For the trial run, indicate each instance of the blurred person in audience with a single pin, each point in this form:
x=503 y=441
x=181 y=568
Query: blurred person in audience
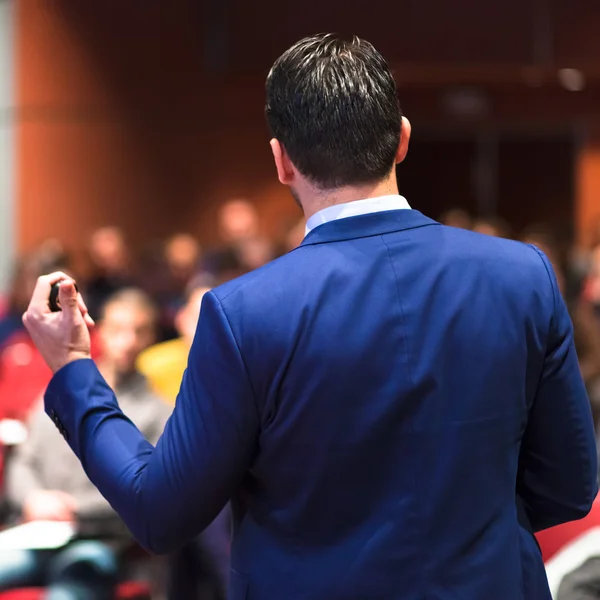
x=46 y=483
x=242 y=247
x=200 y=569
x=182 y=254
x=23 y=373
x=52 y=254
x=238 y=221
x=164 y=364
x=583 y=583
x=22 y=284
x=493 y=226
x=457 y=217
x=182 y=257
x=255 y=253
x=111 y=268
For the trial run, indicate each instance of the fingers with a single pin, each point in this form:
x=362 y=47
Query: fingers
x=69 y=300
x=39 y=301
x=84 y=311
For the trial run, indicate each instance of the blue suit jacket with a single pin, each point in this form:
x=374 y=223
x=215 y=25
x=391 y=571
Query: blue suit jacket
x=394 y=407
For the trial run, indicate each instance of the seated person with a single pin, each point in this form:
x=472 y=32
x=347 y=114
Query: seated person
x=46 y=481
x=200 y=569
x=164 y=363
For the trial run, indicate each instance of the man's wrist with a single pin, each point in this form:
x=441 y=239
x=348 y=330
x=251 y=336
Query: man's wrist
x=72 y=357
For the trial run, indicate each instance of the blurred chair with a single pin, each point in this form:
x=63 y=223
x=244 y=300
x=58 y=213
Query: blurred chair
x=568 y=546
x=130 y=590
x=555 y=539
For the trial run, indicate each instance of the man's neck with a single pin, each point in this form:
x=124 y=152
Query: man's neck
x=318 y=200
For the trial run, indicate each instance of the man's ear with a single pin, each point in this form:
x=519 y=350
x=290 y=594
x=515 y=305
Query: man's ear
x=283 y=164
x=404 y=140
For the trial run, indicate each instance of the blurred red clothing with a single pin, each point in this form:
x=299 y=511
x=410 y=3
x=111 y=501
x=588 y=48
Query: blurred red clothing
x=24 y=376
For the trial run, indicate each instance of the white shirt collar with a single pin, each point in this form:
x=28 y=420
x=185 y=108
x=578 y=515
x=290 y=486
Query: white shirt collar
x=355 y=209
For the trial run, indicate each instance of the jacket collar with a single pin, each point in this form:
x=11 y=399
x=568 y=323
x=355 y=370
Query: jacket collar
x=366 y=226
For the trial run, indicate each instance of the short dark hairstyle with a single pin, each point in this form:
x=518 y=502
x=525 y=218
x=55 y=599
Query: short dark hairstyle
x=333 y=105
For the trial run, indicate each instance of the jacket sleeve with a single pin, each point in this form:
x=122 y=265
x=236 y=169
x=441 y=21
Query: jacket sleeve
x=168 y=494
x=558 y=462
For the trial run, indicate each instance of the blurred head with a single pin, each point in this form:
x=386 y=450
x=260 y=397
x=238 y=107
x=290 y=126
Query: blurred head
x=238 y=220
x=26 y=272
x=333 y=112
x=182 y=253
x=24 y=278
x=127 y=326
x=493 y=226
x=255 y=252
x=187 y=318
x=457 y=217
x=52 y=256
x=108 y=249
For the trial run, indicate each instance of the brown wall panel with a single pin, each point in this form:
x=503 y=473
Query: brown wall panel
x=120 y=119
x=413 y=31
x=576 y=24
x=122 y=127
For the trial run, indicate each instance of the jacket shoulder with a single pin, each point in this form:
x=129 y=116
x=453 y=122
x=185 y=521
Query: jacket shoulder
x=502 y=253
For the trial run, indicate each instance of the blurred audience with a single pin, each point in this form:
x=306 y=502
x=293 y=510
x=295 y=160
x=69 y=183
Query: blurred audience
x=23 y=373
x=178 y=263
x=52 y=485
x=237 y=221
x=164 y=364
x=457 y=217
x=23 y=281
x=200 y=570
x=182 y=254
x=494 y=226
x=111 y=268
x=242 y=248
x=45 y=481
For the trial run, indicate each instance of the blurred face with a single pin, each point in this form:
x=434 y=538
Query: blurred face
x=23 y=284
x=187 y=319
x=256 y=252
x=486 y=229
x=458 y=218
x=182 y=252
x=237 y=221
x=125 y=331
x=107 y=249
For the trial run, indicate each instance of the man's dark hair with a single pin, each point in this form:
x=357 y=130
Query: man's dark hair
x=333 y=105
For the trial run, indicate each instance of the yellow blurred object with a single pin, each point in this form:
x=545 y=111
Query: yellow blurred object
x=163 y=365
